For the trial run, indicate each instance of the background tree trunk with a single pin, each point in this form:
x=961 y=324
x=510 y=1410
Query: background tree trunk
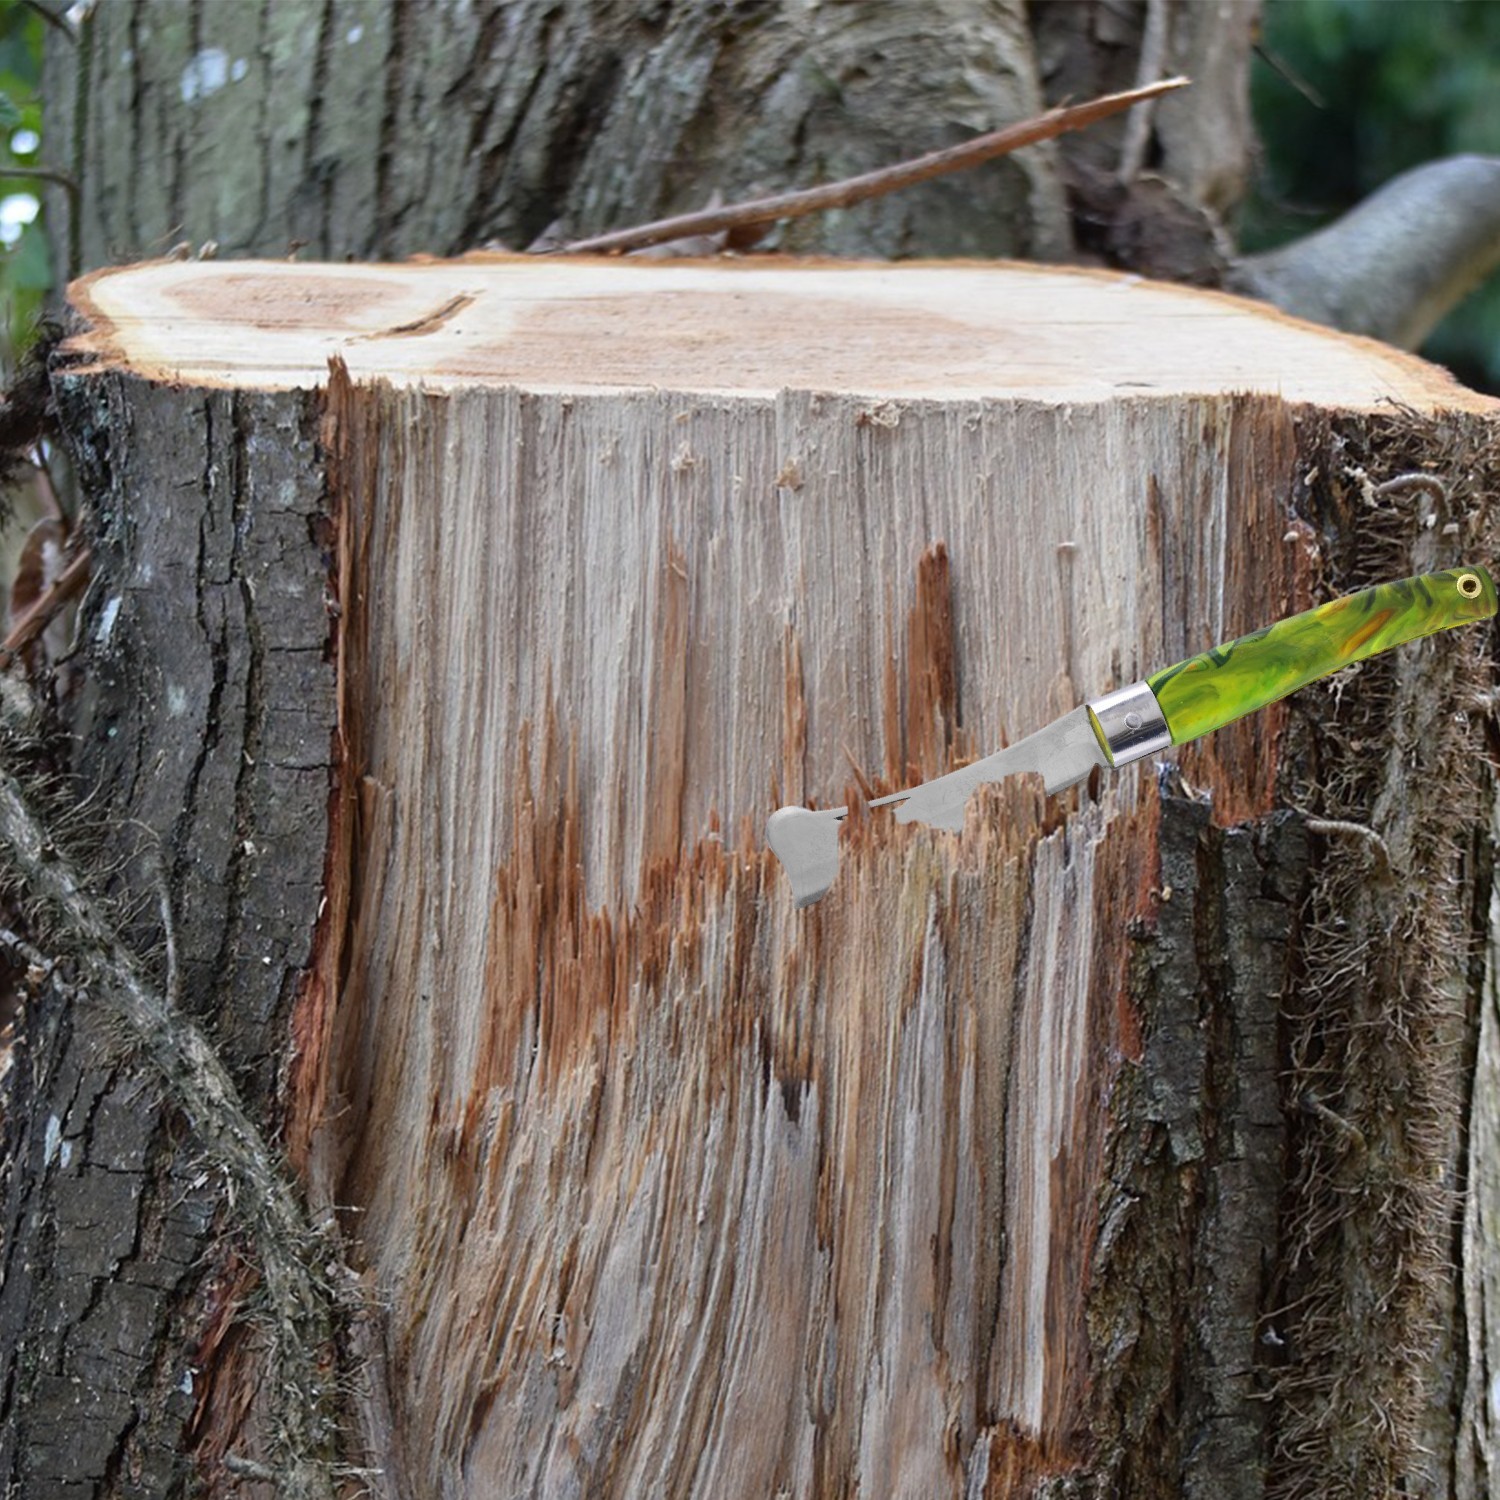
x=376 y=129
x=1111 y=1148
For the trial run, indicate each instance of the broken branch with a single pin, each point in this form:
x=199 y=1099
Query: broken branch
x=44 y=610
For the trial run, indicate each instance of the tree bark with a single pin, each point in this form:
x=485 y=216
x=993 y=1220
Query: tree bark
x=1113 y=1147
x=207 y=696
x=376 y=129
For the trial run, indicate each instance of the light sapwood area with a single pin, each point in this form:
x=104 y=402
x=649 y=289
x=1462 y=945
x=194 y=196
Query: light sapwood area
x=956 y=1184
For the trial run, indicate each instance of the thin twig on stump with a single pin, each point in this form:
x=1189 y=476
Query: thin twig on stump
x=851 y=190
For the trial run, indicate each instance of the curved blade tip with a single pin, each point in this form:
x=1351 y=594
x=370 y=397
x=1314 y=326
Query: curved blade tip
x=807 y=844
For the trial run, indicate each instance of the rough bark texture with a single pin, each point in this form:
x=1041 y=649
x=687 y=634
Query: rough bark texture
x=1476 y=1467
x=204 y=734
x=375 y=129
x=1332 y=1148
x=1381 y=1031
x=1191 y=1234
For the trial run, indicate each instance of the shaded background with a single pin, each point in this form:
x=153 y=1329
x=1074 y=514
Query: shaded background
x=1346 y=94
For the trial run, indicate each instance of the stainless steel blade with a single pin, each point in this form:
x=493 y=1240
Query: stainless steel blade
x=807 y=844
x=1063 y=752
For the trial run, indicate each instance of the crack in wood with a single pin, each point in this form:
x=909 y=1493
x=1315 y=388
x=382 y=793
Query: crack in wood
x=427 y=323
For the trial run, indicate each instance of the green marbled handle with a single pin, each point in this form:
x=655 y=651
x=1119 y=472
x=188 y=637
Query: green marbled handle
x=1206 y=692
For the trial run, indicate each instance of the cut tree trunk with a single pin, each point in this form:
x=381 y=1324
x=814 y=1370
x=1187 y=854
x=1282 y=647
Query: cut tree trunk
x=454 y=629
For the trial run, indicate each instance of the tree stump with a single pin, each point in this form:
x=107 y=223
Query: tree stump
x=454 y=628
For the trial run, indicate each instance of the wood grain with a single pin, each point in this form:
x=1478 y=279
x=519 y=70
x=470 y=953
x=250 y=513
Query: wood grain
x=637 y=1149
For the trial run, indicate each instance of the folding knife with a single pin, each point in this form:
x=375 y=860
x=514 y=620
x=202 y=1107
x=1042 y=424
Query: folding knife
x=1171 y=707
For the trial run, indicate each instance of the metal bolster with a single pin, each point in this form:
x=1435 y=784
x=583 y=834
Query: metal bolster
x=1130 y=724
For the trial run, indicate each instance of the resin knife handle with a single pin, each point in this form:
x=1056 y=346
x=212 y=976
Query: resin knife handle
x=1206 y=692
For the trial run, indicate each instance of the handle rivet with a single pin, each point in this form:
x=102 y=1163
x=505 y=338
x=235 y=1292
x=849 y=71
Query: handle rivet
x=1469 y=585
x=1132 y=721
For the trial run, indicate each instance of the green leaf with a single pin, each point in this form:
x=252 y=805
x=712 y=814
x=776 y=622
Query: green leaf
x=21 y=31
x=29 y=267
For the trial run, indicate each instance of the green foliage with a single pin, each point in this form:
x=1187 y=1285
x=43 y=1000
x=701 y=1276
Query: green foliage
x=1352 y=92
x=25 y=265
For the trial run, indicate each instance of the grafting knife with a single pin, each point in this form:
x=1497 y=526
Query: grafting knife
x=1171 y=707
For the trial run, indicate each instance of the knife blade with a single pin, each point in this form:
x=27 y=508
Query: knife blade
x=1171 y=707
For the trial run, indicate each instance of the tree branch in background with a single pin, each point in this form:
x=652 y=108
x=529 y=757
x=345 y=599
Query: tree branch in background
x=851 y=190
x=42 y=611
x=55 y=19
x=1138 y=126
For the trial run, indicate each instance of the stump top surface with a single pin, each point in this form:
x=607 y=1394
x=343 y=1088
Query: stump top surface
x=914 y=330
